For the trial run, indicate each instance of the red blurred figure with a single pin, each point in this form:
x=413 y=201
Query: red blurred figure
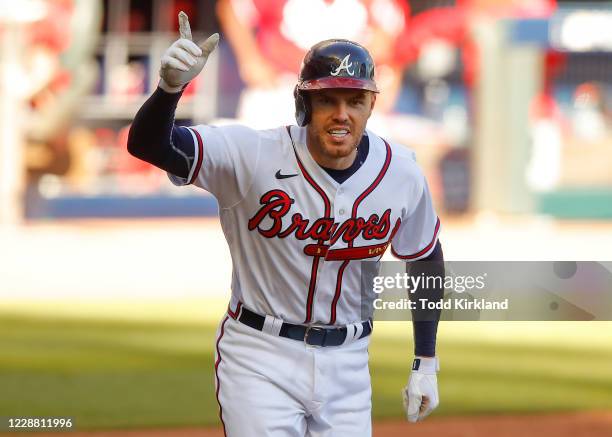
x=270 y=37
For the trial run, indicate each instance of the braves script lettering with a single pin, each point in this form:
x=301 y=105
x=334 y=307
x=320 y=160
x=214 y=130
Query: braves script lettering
x=276 y=205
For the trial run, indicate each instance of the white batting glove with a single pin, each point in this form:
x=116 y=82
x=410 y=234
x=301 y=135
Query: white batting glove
x=421 y=394
x=184 y=59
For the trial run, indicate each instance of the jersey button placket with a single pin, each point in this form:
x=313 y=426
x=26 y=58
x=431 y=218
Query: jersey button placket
x=340 y=199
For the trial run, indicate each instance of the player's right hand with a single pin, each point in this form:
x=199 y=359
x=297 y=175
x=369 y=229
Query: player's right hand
x=184 y=59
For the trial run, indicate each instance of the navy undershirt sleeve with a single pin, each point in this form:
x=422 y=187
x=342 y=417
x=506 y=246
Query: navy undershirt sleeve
x=154 y=138
x=425 y=324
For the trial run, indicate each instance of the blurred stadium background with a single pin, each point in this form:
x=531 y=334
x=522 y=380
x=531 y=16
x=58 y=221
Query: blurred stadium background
x=112 y=280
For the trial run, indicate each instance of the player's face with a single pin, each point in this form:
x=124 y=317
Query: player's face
x=339 y=117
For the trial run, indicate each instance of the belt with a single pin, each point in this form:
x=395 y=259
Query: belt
x=311 y=335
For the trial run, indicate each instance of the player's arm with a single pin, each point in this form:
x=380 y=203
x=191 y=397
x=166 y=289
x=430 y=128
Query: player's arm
x=153 y=136
x=421 y=393
x=417 y=241
x=425 y=321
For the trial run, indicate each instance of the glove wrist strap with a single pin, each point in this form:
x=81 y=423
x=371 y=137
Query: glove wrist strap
x=426 y=365
x=169 y=88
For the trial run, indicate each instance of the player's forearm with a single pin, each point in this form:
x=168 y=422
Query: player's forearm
x=425 y=322
x=152 y=133
x=425 y=338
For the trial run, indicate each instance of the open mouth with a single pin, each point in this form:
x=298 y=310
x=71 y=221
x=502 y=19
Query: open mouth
x=339 y=134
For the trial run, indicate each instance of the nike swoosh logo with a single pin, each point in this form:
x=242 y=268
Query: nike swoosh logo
x=283 y=176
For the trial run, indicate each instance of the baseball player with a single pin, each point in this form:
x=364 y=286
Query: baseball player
x=300 y=207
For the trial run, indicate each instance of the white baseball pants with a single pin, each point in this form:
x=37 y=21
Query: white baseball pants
x=271 y=386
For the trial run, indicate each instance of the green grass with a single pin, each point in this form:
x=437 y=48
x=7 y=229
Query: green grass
x=482 y=378
x=108 y=374
x=114 y=374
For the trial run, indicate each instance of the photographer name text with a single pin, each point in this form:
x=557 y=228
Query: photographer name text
x=450 y=304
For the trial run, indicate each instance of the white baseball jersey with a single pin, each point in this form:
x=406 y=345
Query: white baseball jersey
x=296 y=236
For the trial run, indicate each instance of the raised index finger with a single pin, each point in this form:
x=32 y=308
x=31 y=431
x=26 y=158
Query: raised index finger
x=184 y=27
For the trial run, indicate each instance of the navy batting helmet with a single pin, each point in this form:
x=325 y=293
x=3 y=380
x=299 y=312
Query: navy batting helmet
x=334 y=63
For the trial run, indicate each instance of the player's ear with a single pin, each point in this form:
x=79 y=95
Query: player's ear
x=373 y=101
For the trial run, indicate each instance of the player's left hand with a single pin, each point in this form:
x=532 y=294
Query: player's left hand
x=421 y=394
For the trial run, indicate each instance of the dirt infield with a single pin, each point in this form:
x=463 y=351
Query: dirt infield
x=559 y=425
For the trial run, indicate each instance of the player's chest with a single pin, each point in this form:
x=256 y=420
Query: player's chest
x=298 y=207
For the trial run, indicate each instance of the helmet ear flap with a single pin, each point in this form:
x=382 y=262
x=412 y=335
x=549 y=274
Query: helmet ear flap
x=302 y=107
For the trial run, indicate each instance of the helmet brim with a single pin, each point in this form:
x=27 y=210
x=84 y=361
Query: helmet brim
x=337 y=82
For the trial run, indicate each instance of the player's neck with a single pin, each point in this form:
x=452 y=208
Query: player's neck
x=341 y=163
